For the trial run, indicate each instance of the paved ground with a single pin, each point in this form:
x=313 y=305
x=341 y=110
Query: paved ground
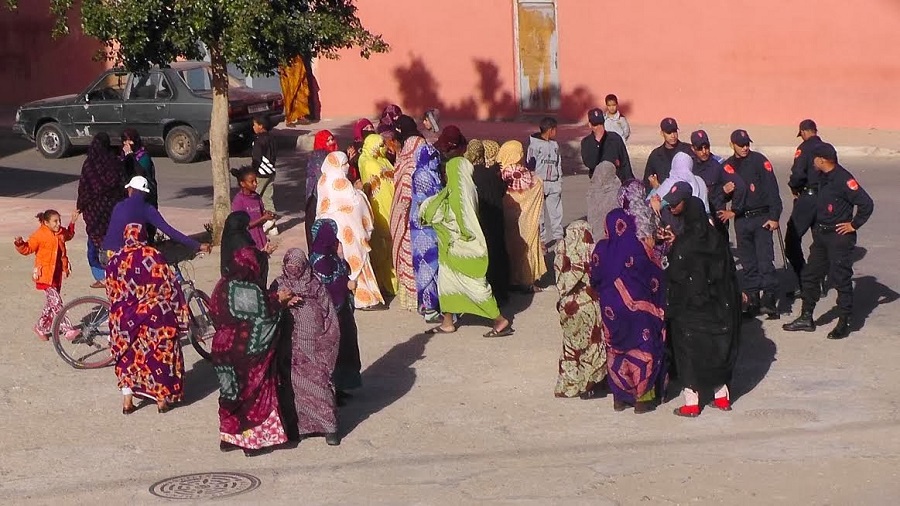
x=460 y=419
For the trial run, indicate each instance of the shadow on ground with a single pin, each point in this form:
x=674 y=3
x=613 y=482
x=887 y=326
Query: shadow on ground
x=755 y=357
x=384 y=382
x=29 y=183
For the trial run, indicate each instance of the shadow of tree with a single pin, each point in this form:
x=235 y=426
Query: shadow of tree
x=385 y=381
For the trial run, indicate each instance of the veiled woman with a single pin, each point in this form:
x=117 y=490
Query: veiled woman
x=629 y=283
x=704 y=308
x=582 y=365
x=377 y=175
x=408 y=134
x=602 y=197
x=334 y=273
x=99 y=190
x=236 y=236
x=522 y=208
x=349 y=208
x=147 y=314
x=462 y=252
x=426 y=183
x=491 y=189
x=246 y=318
x=313 y=332
x=323 y=143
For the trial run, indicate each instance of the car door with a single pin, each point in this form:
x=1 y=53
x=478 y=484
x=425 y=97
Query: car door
x=147 y=104
x=99 y=109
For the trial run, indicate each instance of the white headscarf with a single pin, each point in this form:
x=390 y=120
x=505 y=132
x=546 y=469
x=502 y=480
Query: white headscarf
x=683 y=170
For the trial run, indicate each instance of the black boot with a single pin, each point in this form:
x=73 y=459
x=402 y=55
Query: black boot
x=769 y=306
x=804 y=323
x=842 y=329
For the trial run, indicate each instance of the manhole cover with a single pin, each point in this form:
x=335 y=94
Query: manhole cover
x=204 y=486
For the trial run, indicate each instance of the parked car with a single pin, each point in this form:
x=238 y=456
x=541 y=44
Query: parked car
x=168 y=106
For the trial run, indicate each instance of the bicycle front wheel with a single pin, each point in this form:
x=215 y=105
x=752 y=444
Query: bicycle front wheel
x=81 y=333
x=201 y=325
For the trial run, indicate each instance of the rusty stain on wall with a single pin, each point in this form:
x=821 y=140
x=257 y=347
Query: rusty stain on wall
x=537 y=55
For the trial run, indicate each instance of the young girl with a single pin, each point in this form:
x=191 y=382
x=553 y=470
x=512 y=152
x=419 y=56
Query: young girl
x=249 y=201
x=48 y=244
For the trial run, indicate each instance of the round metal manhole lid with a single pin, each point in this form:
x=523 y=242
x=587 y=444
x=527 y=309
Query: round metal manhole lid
x=204 y=486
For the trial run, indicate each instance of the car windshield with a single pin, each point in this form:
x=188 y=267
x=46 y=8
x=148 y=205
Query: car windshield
x=200 y=79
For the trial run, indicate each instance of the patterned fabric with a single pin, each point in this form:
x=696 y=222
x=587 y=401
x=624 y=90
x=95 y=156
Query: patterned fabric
x=632 y=301
x=243 y=352
x=53 y=304
x=631 y=197
x=516 y=175
x=378 y=182
x=491 y=152
x=100 y=187
x=349 y=208
x=426 y=182
x=462 y=251
x=582 y=365
x=313 y=330
x=602 y=196
x=522 y=210
x=146 y=315
x=475 y=152
x=400 y=233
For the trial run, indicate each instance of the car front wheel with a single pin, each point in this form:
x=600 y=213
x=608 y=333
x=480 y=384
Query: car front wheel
x=183 y=144
x=51 y=141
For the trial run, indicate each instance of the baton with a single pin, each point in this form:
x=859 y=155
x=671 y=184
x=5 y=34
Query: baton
x=784 y=261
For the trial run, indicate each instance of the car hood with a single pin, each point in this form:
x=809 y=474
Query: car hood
x=244 y=95
x=44 y=102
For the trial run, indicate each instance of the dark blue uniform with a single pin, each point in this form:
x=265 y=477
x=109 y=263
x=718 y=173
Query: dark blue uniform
x=659 y=162
x=713 y=175
x=755 y=201
x=804 y=184
x=839 y=193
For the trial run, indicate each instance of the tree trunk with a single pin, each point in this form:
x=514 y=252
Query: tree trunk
x=218 y=141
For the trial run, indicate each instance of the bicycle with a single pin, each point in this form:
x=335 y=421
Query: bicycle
x=90 y=316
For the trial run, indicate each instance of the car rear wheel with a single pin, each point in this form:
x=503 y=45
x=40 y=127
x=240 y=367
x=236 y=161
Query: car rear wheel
x=183 y=144
x=51 y=141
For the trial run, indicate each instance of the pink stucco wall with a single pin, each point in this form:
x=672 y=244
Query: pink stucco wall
x=760 y=62
x=32 y=64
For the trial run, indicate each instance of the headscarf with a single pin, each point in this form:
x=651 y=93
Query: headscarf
x=99 y=187
x=683 y=170
x=433 y=116
x=390 y=115
x=321 y=141
x=602 y=197
x=573 y=258
x=297 y=275
x=491 y=151
x=516 y=175
x=451 y=142
x=406 y=127
x=235 y=236
x=475 y=153
x=244 y=266
x=632 y=199
x=362 y=125
x=327 y=265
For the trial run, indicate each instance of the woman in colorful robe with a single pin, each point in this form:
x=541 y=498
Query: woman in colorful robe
x=377 y=175
x=401 y=255
x=426 y=183
x=522 y=208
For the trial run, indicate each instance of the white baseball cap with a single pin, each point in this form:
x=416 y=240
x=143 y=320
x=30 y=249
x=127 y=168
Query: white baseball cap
x=139 y=183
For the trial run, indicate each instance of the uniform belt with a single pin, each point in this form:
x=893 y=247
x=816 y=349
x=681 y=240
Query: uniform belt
x=751 y=213
x=821 y=227
x=809 y=190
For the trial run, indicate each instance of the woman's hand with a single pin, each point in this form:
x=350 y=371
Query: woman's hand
x=351 y=285
x=75 y=216
x=654 y=181
x=288 y=298
x=270 y=247
x=656 y=203
x=126 y=146
x=268 y=215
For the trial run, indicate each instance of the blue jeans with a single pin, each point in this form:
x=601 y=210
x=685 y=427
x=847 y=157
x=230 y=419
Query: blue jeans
x=93 y=256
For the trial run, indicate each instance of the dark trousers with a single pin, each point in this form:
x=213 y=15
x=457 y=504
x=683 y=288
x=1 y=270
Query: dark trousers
x=802 y=218
x=721 y=227
x=756 y=250
x=829 y=254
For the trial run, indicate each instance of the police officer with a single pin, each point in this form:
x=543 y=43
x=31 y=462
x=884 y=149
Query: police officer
x=604 y=146
x=756 y=207
x=659 y=163
x=709 y=168
x=804 y=184
x=834 y=237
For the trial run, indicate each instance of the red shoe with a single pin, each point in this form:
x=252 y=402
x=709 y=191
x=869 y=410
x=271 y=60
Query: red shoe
x=721 y=403
x=688 y=411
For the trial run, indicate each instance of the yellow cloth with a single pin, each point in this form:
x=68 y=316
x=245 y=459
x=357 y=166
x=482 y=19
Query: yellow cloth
x=295 y=89
x=377 y=175
x=522 y=215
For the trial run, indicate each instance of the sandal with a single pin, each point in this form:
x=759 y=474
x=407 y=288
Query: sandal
x=440 y=330
x=506 y=331
x=98 y=284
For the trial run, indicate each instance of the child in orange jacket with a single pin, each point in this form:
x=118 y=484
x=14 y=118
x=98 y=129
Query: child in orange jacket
x=48 y=244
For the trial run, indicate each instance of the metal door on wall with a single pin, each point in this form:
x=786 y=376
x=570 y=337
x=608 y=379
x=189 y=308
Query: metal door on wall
x=537 y=55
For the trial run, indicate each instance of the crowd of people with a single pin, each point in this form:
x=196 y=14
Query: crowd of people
x=445 y=226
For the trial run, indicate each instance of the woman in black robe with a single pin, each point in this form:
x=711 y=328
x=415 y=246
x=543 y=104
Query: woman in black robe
x=704 y=308
x=236 y=236
x=491 y=188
